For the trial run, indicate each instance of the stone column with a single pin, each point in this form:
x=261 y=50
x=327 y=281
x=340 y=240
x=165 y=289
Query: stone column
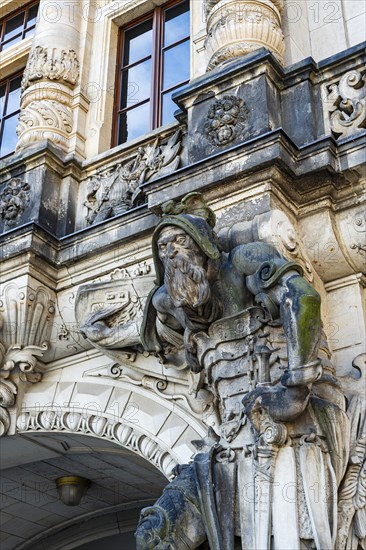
x=237 y=27
x=51 y=76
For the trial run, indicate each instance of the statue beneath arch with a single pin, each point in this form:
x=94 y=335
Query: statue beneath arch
x=283 y=463
x=277 y=473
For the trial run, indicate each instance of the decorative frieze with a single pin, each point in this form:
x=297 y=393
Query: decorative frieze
x=226 y=120
x=117 y=188
x=238 y=27
x=346 y=104
x=51 y=64
x=14 y=198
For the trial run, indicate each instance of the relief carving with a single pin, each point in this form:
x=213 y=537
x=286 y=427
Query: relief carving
x=346 y=104
x=47 y=119
x=25 y=321
x=117 y=189
x=51 y=64
x=225 y=120
x=14 y=199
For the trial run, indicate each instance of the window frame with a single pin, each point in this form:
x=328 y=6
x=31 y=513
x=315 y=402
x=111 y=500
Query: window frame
x=25 y=29
x=157 y=56
x=7 y=81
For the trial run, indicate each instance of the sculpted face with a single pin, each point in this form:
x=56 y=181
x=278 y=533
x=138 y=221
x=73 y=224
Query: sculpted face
x=173 y=241
x=185 y=275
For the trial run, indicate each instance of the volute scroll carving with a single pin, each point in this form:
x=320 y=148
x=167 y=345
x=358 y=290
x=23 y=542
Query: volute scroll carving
x=26 y=315
x=346 y=104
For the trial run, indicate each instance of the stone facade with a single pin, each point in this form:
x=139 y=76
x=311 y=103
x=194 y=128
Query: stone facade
x=271 y=133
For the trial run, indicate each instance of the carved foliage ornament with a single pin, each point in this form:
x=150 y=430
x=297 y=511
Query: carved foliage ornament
x=347 y=104
x=225 y=120
x=13 y=201
x=45 y=116
x=117 y=189
x=51 y=64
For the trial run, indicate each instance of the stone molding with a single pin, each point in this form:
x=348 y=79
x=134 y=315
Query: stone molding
x=51 y=64
x=346 y=104
x=56 y=420
x=235 y=28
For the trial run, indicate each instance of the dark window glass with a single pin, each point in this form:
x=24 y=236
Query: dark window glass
x=154 y=63
x=9 y=113
x=14 y=28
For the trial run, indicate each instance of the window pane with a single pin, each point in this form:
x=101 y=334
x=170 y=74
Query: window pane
x=30 y=32
x=134 y=123
x=9 y=137
x=14 y=96
x=32 y=15
x=11 y=42
x=2 y=98
x=169 y=107
x=137 y=42
x=13 y=26
x=176 y=65
x=176 y=23
x=136 y=84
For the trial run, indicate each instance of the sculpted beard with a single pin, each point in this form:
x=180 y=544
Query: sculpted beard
x=187 y=284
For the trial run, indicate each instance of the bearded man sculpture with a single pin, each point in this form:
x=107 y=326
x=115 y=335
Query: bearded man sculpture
x=250 y=324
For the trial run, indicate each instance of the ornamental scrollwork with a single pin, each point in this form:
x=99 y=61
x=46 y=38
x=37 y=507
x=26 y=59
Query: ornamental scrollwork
x=13 y=200
x=117 y=189
x=226 y=120
x=51 y=64
x=47 y=114
x=346 y=102
x=25 y=321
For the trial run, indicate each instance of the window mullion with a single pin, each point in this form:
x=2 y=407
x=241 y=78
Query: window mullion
x=157 y=69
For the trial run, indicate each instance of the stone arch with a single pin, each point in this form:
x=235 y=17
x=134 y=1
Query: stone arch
x=144 y=423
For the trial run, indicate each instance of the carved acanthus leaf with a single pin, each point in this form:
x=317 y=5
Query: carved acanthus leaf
x=51 y=64
x=13 y=201
x=117 y=189
x=346 y=102
x=46 y=113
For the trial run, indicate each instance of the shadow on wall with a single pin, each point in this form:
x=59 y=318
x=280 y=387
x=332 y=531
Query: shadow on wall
x=122 y=541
